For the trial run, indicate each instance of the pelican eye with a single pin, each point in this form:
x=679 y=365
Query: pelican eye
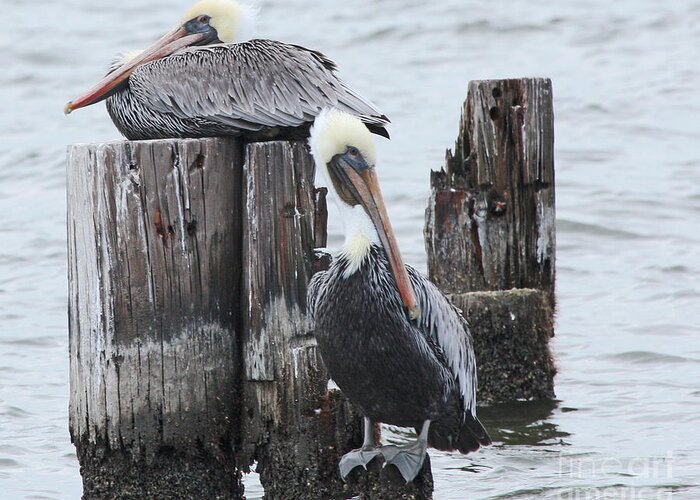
x=353 y=151
x=203 y=19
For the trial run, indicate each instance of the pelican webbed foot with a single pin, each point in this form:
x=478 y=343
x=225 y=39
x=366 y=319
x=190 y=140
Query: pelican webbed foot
x=361 y=456
x=408 y=458
x=355 y=458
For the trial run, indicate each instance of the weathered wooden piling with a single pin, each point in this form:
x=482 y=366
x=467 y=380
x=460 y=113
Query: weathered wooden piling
x=289 y=425
x=154 y=239
x=191 y=352
x=490 y=235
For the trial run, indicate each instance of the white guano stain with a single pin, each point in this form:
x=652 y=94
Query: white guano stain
x=296 y=352
x=545 y=230
x=180 y=212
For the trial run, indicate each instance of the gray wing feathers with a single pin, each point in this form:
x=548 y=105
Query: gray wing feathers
x=318 y=281
x=251 y=85
x=445 y=324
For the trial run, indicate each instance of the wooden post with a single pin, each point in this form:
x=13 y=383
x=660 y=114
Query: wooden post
x=154 y=281
x=191 y=353
x=490 y=227
x=285 y=383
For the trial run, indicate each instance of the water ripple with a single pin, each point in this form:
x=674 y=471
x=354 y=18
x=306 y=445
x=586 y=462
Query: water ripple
x=646 y=357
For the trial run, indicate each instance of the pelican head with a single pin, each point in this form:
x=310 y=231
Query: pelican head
x=206 y=22
x=343 y=150
x=221 y=21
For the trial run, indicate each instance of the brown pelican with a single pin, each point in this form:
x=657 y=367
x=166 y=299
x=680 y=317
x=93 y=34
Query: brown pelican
x=394 y=344
x=196 y=82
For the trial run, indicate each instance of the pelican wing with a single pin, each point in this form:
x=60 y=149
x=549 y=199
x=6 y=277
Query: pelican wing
x=318 y=281
x=252 y=85
x=440 y=320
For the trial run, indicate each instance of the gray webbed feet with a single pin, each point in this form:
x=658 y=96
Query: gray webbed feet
x=355 y=458
x=408 y=459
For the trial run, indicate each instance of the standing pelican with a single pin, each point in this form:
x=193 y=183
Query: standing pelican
x=196 y=82
x=394 y=344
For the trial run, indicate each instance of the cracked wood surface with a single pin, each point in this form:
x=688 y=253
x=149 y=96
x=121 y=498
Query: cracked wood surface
x=490 y=228
x=490 y=219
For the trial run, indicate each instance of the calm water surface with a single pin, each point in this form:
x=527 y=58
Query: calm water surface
x=625 y=73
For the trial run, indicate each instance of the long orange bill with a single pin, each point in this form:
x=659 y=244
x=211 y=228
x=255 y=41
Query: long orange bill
x=168 y=44
x=370 y=195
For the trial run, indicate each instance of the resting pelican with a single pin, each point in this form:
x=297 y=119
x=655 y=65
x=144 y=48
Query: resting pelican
x=394 y=344
x=197 y=82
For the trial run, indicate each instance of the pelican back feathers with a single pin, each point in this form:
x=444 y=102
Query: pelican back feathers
x=255 y=87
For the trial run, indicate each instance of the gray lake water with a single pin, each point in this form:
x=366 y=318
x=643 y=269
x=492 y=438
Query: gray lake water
x=626 y=79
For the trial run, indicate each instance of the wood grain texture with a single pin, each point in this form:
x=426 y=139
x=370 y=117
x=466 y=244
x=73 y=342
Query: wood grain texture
x=154 y=244
x=289 y=423
x=490 y=220
x=321 y=217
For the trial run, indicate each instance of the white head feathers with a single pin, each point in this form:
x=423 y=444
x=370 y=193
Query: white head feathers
x=333 y=131
x=232 y=21
x=124 y=58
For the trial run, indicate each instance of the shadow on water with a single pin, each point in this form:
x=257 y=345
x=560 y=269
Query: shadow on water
x=523 y=423
x=511 y=423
